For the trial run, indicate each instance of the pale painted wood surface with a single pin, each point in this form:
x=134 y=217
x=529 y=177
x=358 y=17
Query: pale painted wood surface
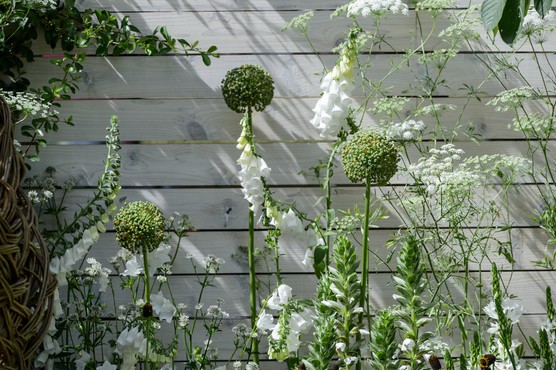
x=179 y=137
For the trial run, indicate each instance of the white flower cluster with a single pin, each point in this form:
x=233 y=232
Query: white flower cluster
x=253 y=168
x=511 y=99
x=438 y=173
x=298 y=323
x=163 y=307
x=96 y=270
x=376 y=7
x=27 y=104
x=550 y=328
x=332 y=108
x=512 y=310
x=134 y=263
x=534 y=24
x=405 y=131
x=131 y=345
x=62 y=265
x=535 y=124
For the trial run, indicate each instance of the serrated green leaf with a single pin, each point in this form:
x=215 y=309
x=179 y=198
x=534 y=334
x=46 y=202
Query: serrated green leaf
x=491 y=12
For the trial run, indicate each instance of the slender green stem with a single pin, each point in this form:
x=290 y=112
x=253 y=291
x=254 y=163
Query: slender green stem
x=147 y=302
x=251 y=252
x=363 y=301
x=252 y=284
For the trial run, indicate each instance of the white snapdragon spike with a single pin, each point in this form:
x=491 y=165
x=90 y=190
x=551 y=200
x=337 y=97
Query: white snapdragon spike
x=163 y=307
x=131 y=345
x=376 y=7
x=333 y=106
x=405 y=131
x=280 y=297
x=252 y=169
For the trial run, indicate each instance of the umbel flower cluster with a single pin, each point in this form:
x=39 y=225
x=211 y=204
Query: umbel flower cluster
x=248 y=86
x=371 y=157
x=139 y=225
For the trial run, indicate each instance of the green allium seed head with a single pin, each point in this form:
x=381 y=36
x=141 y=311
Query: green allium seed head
x=371 y=157
x=247 y=86
x=139 y=225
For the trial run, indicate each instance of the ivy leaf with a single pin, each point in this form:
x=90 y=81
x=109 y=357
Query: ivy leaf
x=510 y=23
x=543 y=7
x=491 y=12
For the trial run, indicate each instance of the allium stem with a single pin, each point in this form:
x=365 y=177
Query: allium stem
x=364 y=302
x=251 y=260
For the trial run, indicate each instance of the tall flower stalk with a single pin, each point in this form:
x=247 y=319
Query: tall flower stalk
x=246 y=88
x=140 y=229
x=369 y=157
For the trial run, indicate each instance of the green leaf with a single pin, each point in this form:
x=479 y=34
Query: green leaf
x=510 y=23
x=491 y=12
x=543 y=7
x=206 y=59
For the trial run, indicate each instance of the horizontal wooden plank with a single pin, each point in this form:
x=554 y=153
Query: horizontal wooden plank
x=284 y=120
x=260 y=32
x=203 y=5
x=216 y=164
x=226 y=209
x=528 y=286
x=528 y=246
x=213 y=5
x=294 y=75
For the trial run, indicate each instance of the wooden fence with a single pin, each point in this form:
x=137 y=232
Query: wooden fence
x=179 y=137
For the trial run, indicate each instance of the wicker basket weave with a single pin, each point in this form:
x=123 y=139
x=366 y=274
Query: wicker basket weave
x=26 y=285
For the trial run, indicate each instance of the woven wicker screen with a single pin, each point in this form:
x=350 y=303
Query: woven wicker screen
x=26 y=285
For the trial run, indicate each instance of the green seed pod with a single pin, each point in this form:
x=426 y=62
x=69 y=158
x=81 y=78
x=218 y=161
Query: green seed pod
x=371 y=157
x=247 y=86
x=139 y=225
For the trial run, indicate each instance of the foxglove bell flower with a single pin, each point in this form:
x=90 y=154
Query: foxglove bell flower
x=253 y=168
x=163 y=307
x=131 y=345
x=280 y=297
x=332 y=108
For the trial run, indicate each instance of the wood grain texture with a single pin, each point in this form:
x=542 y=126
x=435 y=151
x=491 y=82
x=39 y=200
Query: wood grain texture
x=215 y=164
x=226 y=208
x=168 y=120
x=528 y=246
x=294 y=75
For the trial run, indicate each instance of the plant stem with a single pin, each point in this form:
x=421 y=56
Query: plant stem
x=147 y=302
x=252 y=284
x=365 y=254
x=251 y=253
x=363 y=301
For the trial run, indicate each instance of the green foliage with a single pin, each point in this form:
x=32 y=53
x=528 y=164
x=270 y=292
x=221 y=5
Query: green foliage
x=383 y=341
x=71 y=32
